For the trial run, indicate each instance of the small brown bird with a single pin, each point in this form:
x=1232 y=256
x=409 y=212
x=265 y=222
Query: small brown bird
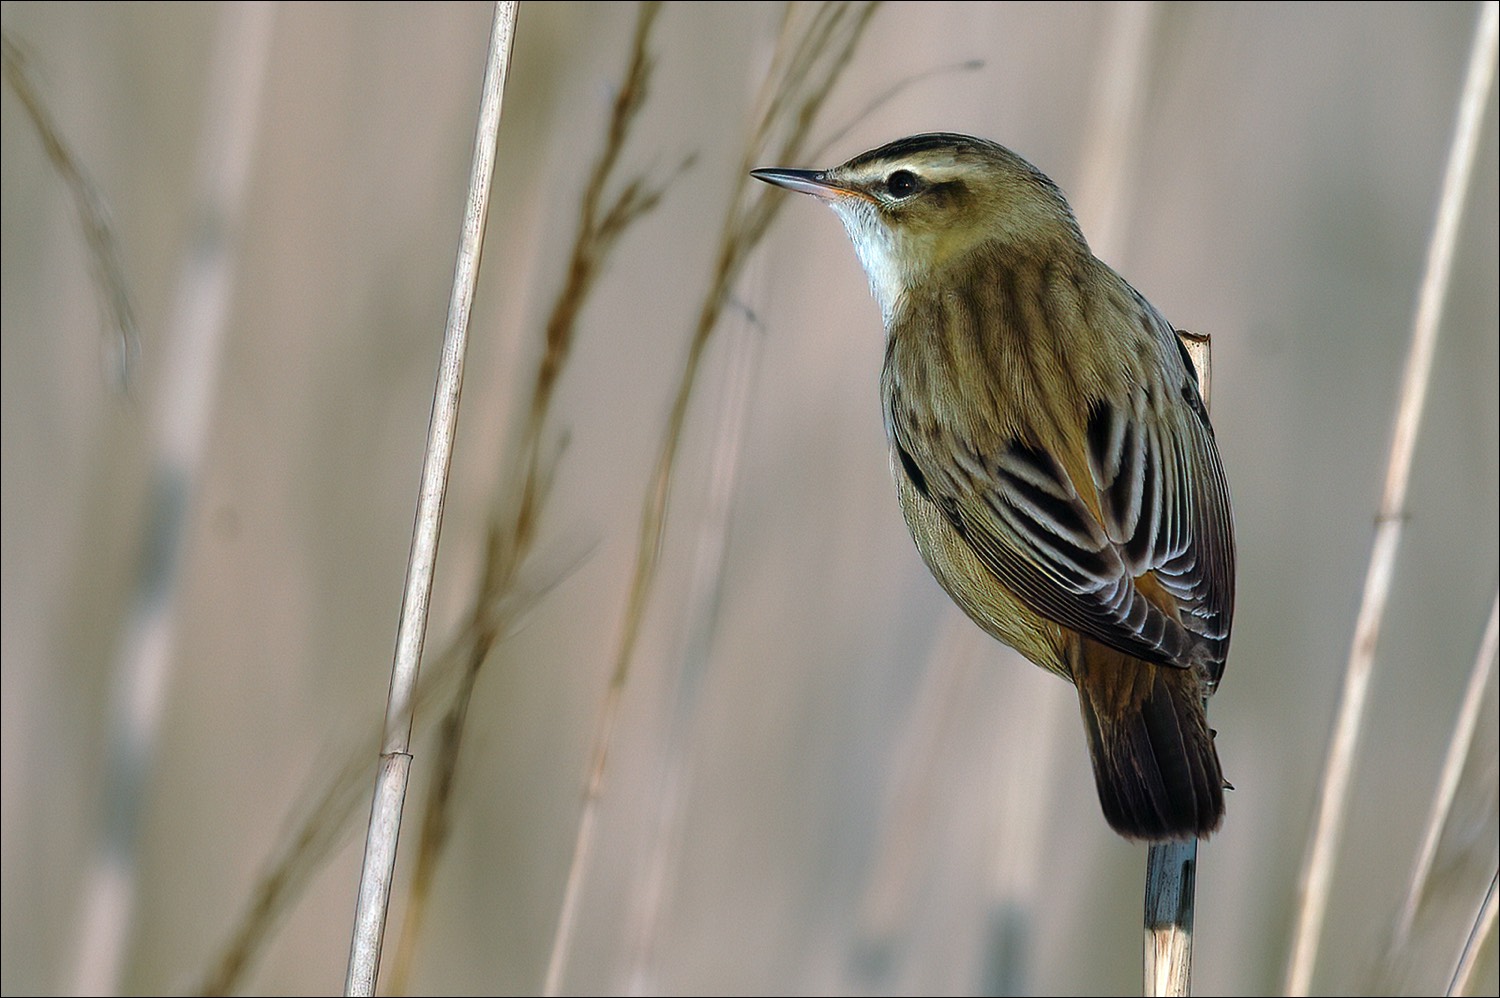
x=1052 y=455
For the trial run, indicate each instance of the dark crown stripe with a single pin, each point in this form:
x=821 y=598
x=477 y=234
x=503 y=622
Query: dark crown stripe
x=920 y=143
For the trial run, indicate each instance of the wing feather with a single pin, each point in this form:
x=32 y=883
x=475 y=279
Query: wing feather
x=1155 y=476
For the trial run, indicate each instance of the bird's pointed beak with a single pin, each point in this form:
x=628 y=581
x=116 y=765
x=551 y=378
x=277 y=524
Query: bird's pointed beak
x=814 y=182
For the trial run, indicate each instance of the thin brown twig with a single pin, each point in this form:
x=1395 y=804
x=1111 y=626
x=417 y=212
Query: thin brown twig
x=93 y=215
x=501 y=595
x=796 y=87
x=325 y=824
x=602 y=220
x=327 y=821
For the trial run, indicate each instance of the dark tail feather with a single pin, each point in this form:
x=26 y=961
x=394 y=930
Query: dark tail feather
x=1154 y=760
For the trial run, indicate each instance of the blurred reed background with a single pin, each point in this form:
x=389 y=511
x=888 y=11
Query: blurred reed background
x=819 y=780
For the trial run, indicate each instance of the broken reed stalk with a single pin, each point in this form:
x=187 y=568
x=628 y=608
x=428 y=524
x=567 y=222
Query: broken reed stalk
x=811 y=53
x=1171 y=883
x=1326 y=838
x=1172 y=867
x=379 y=864
x=1115 y=128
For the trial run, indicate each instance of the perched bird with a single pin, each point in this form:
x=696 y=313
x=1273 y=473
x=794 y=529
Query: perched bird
x=1052 y=455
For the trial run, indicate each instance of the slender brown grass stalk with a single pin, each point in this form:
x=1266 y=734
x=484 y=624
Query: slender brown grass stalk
x=1458 y=846
x=93 y=215
x=814 y=46
x=1328 y=826
x=502 y=594
x=652 y=888
x=652 y=885
x=603 y=219
x=1453 y=765
x=327 y=821
x=1116 y=120
x=943 y=711
x=1484 y=928
x=324 y=822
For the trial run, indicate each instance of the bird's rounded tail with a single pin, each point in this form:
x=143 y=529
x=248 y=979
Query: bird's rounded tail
x=1154 y=760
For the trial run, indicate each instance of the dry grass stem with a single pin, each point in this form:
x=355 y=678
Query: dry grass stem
x=1453 y=766
x=1484 y=928
x=1172 y=867
x=890 y=93
x=941 y=711
x=700 y=611
x=93 y=217
x=813 y=49
x=699 y=608
x=1171 y=879
x=379 y=864
x=305 y=851
x=326 y=820
x=513 y=524
x=502 y=595
x=1458 y=851
x=1328 y=825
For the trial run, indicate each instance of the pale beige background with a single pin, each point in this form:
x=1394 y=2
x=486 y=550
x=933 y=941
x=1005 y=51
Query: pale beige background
x=1283 y=193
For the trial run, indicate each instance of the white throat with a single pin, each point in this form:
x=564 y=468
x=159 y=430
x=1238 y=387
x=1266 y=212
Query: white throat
x=874 y=245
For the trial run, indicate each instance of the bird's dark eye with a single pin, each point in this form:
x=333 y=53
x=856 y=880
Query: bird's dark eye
x=901 y=183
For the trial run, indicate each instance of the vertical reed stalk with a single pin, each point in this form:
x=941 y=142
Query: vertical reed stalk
x=1484 y=927
x=811 y=53
x=1328 y=826
x=602 y=221
x=1172 y=867
x=395 y=760
x=1453 y=765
